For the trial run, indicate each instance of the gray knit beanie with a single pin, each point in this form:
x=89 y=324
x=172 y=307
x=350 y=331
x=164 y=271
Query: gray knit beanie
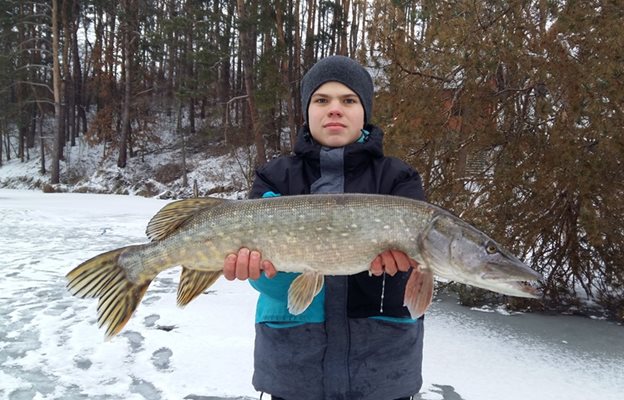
x=340 y=69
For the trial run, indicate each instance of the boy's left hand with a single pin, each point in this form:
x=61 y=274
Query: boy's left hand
x=391 y=262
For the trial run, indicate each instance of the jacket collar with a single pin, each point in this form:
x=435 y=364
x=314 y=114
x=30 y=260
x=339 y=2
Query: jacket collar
x=355 y=154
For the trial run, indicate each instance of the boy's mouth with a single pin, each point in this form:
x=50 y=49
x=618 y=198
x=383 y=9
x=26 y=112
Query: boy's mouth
x=334 y=125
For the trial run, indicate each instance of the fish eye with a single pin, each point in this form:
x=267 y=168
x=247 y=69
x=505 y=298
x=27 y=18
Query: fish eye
x=491 y=248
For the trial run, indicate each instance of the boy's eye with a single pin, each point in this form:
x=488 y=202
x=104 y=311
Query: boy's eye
x=320 y=100
x=351 y=100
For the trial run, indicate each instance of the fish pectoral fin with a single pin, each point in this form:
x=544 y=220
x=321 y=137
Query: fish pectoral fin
x=104 y=278
x=303 y=290
x=193 y=282
x=174 y=215
x=418 y=292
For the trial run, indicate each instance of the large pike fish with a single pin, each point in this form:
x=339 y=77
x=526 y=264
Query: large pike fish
x=316 y=235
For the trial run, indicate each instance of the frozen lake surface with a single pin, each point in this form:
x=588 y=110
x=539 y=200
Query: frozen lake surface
x=51 y=348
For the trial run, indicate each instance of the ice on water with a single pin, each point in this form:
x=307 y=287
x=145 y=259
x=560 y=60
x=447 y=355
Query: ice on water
x=51 y=348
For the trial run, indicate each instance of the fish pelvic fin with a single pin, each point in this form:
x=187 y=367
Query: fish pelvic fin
x=193 y=282
x=303 y=290
x=176 y=214
x=418 y=292
x=103 y=277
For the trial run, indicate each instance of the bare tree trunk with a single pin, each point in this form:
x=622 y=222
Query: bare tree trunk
x=42 y=170
x=308 y=52
x=189 y=77
x=84 y=101
x=319 y=45
x=30 y=140
x=66 y=82
x=344 y=20
x=373 y=38
x=295 y=65
x=284 y=72
x=225 y=68
x=69 y=109
x=7 y=147
x=353 y=30
x=128 y=39
x=247 y=51
x=125 y=116
x=77 y=107
x=180 y=133
x=20 y=89
x=56 y=75
x=172 y=45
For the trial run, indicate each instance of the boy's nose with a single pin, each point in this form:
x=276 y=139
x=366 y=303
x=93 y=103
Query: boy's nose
x=335 y=110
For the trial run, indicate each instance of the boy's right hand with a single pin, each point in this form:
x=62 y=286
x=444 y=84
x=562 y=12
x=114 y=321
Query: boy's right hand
x=247 y=264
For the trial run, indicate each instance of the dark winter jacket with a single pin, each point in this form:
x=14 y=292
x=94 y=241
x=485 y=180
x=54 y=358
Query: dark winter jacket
x=346 y=345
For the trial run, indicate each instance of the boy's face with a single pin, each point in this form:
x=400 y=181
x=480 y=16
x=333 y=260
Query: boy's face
x=335 y=115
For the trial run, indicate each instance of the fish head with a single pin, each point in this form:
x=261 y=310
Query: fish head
x=458 y=251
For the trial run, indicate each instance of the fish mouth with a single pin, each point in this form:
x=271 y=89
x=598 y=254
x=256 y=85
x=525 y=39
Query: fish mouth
x=529 y=290
x=521 y=289
x=509 y=273
x=512 y=279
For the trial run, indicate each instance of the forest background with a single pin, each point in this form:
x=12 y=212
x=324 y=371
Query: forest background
x=511 y=110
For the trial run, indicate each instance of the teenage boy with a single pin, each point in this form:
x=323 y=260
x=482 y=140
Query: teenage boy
x=356 y=340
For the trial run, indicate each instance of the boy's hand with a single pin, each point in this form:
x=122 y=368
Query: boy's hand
x=419 y=287
x=392 y=261
x=247 y=265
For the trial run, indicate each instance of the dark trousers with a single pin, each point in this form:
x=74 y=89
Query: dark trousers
x=279 y=398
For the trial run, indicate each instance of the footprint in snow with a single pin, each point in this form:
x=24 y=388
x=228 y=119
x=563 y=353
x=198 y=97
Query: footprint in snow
x=150 y=320
x=82 y=363
x=161 y=358
x=135 y=339
x=151 y=300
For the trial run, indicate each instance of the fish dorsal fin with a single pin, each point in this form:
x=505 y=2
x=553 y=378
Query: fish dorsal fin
x=174 y=215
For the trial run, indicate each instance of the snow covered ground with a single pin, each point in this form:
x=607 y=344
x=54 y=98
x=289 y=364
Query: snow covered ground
x=156 y=173
x=51 y=348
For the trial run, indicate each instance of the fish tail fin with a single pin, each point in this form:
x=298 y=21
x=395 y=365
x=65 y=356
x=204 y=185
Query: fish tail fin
x=102 y=277
x=419 y=292
x=193 y=282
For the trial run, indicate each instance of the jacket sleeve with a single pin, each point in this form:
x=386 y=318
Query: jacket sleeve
x=408 y=183
x=272 y=177
x=261 y=184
